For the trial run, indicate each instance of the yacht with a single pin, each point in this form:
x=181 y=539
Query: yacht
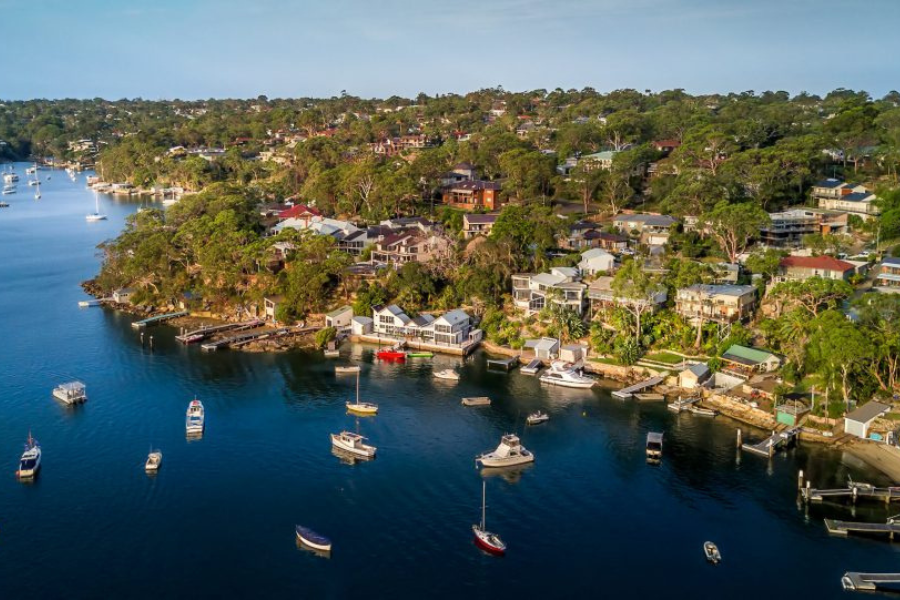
x=509 y=453
x=361 y=408
x=537 y=417
x=352 y=443
x=449 y=374
x=73 y=392
x=30 y=463
x=194 y=423
x=154 y=460
x=96 y=215
x=564 y=375
x=312 y=539
x=10 y=178
x=484 y=539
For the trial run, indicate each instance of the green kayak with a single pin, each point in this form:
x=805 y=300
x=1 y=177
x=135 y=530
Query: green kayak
x=420 y=354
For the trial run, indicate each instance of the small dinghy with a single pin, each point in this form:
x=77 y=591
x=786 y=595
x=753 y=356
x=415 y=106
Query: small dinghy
x=448 y=374
x=312 y=539
x=537 y=417
x=712 y=552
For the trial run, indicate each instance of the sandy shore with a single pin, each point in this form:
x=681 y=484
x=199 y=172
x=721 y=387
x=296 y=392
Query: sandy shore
x=879 y=456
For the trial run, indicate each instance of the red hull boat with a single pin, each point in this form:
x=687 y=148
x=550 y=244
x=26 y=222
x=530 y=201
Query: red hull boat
x=395 y=355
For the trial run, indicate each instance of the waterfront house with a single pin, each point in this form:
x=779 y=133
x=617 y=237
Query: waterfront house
x=475 y=225
x=545 y=348
x=339 y=318
x=799 y=268
x=122 y=295
x=472 y=195
x=560 y=286
x=745 y=361
x=410 y=246
x=601 y=295
x=887 y=278
x=859 y=421
x=596 y=261
x=787 y=228
x=390 y=320
x=451 y=328
x=694 y=376
x=717 y=303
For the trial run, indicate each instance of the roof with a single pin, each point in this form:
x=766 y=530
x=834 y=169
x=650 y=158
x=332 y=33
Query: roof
x=858 y=197
x=893 y=261
x=605 y=155
x=297 y=210
x=392 y=240
x=595 y=253
x=824 y=263
x=722 y=290
x=868 y=412
x=339 y=311
x=747 y=356
x=548 y=279
x=455 y=316
x=542 y=343
x=609 y=237
x=423 y=320
x=480 y=219
x=475 y=184
x=699 y=370
x=363 y=320
x=829 y=183
x=653 y=220
x=564 y=271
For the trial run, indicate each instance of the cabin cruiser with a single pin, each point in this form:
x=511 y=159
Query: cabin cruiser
x=30 y=463
x=73 y=392
x=509 y=453
x=10 y=178
x=565 y=375
x=195 y=420
x=352 y=443
x=154 y=460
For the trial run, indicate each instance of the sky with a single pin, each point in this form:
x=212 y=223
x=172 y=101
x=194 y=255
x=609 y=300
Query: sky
x=195 y=49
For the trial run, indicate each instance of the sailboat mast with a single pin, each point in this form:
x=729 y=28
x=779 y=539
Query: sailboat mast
x=483 y=498
x=357 y=387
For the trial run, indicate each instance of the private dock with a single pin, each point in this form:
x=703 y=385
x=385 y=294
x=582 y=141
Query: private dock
x=628 y=392
x=158 y=319
x=870 y=582
x=533 y=367
x=852 y=492
x=844 y=528
x=244 y=338
x=198 y=335
x=682 y=404
x=773 y=443
x=507 y=364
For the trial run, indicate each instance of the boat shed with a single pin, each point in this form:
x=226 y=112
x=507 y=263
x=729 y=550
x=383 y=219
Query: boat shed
x=694 y=376
x=572 y=353
x=361 y=325
x=544 y=348
x=858 y=422
x=122 y=295
x=339 y=318
x=748 y=360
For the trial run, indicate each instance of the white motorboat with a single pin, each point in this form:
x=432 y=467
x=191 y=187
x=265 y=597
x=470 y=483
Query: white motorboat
x=30 y=463
x=711 y=551
x=476 y=401
x=195 y=421
x=34 y=182
x=73 y=392
x=9 y=190
x=484 y=539
x=564 y=375
x=352 y=443
x=361 y=408
x=31 y=170
x=10 y=178
x=654 y=447
x=537 y=417
x=154 y=460
x=96 y=215
x=448 y=374
x=509 y=453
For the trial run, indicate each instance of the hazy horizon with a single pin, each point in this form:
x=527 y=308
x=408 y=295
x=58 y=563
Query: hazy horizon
x=197 y=50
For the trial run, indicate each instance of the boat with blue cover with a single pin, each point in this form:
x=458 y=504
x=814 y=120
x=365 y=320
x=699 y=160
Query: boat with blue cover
x=312 y=539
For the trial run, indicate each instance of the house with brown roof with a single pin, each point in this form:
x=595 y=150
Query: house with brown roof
x=472 y=195
x=410 y=246
x=798 y=268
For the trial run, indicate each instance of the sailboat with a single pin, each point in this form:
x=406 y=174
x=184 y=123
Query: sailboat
x=361 y=408
x=484 y=539
x=37 y=191
x=96 y=216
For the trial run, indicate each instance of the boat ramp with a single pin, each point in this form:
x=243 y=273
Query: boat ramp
x=870 y=582
x=836 y=527
x=198 y=335
x=628 y=392
x=158 y=319
x=777 y=441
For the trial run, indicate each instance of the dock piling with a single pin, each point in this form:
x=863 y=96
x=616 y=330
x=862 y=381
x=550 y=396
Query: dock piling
x=739 y=444
x=800 y=480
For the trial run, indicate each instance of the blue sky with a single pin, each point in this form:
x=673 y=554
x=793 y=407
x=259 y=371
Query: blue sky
x=225 y=48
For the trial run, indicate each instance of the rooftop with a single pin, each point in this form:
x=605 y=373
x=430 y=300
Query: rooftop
x=722 y=290
x=868 y=412
x=825 y=263
x=746 y=356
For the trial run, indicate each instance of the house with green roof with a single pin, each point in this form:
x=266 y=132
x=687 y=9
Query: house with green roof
x=745 y=360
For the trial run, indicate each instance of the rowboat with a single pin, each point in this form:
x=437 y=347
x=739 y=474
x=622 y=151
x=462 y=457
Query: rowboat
x=312 y=539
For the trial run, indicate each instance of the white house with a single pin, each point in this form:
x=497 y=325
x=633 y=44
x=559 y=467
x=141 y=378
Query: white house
x=390 y=320
x=560 y=286
x=596 y=260
x=858 y=422
x=452 y=328
x=122 y=295
x=339 y=319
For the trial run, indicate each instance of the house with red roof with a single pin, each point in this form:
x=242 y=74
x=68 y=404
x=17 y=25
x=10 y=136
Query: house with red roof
x=299 y=211
x=799 y=268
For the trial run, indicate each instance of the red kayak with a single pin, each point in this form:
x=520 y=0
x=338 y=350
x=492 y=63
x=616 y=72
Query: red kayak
x=391 y=355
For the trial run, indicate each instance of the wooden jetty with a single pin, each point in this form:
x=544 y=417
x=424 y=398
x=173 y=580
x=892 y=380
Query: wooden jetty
x=533 y=367
x=245 y=338
x=507 y=364
x=198 y=335
x=836 y=527
x=870 y=582
x=158 y=319
x=852 y=492
x=777 y=441
x=643 y=385
x=682 y=404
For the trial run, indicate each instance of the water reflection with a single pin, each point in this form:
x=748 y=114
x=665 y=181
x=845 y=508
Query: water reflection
x=508 y=474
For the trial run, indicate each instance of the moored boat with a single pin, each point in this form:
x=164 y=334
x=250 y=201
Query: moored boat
x=391 y=354
x=476 y=401
x=312 y=539
x=420 y=354
x=352 y=443
x=711 y=551
x=484 y=539
x=654 y=447
x=30 y=463
x=564 y=375
x=448 y=374
x=195 y=420
x=361 y=408
x=537 y=417
x=346 y=370
x=154 y=460
x=73 y=392
x=509 y=453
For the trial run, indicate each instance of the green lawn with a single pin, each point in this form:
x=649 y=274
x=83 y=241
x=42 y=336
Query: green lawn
x=605 y=361
x=664 y=357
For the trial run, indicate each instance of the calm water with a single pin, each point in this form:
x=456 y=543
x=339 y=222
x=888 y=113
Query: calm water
x=589 y=517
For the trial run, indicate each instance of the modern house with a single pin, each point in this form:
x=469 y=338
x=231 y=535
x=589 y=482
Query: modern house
x=887 y=278
x=560 y=286
x=799 y=268
x=475 y=225
x=595 y=261
x=860 y=420
x=453 y=328
x=787 y=228
x=717 y=303
x=472 y=195
x=410 y=246
x=834 y=194
x=390 y=320
x=601 y=295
